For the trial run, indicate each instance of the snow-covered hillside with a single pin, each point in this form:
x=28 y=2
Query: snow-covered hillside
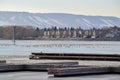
x=56 y=19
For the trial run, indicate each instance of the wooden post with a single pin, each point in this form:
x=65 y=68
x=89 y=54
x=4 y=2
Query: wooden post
x=14 y=35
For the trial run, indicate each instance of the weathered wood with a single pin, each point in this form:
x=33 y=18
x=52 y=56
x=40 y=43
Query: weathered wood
x=70 y=56
x=61 y=69
x=45 y=66
x=34 y=67
x=51 y=71
x=2 y=61
x=11 y=67
x=73 y=71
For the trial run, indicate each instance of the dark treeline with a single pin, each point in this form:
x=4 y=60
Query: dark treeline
x=6 y=32
x=31 y=33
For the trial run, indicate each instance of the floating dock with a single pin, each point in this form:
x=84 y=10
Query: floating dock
x=75 y=71
x=34 y=67
x=51 y=71
x=74 y=56
x=45 y=66
x=80 y=71
x=2 y=61
x=116 y=69
x=61 y=68
x=11 y=67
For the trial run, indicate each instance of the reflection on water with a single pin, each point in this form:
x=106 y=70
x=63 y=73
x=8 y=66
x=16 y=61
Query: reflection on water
x=44 y=76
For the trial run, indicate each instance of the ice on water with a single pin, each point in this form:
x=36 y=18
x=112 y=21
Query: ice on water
x=25 y=47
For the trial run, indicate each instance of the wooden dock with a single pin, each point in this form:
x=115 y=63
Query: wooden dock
x=51 y=71
x=45 y=66
x=75 y=71
x=74 y=56
x=61 y=68
x=2 y=61
x=11 y=68
x=34 y=67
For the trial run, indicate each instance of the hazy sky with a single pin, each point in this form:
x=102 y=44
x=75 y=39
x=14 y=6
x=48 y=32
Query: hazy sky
x=84 y=7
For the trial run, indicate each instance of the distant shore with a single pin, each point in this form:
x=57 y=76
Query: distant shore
x=74 y=39
x=85 y=39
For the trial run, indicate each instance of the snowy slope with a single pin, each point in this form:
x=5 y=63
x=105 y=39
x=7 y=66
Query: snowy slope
x=56 y=19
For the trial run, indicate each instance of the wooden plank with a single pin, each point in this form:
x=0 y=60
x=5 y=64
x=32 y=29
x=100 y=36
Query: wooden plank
x=75 y=56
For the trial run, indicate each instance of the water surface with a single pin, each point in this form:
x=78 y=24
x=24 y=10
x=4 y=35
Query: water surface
x=44 y=76
x=25 y=47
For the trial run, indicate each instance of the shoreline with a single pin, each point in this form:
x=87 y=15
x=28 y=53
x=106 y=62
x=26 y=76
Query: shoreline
x=86 y=39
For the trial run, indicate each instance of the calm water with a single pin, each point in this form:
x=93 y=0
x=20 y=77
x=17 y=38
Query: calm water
x=25 y=47
x=44 y=76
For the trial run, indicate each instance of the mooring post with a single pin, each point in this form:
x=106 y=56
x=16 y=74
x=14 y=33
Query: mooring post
x=14 y=35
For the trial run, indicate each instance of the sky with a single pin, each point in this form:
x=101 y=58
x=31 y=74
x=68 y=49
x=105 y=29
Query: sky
x=80 y=7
